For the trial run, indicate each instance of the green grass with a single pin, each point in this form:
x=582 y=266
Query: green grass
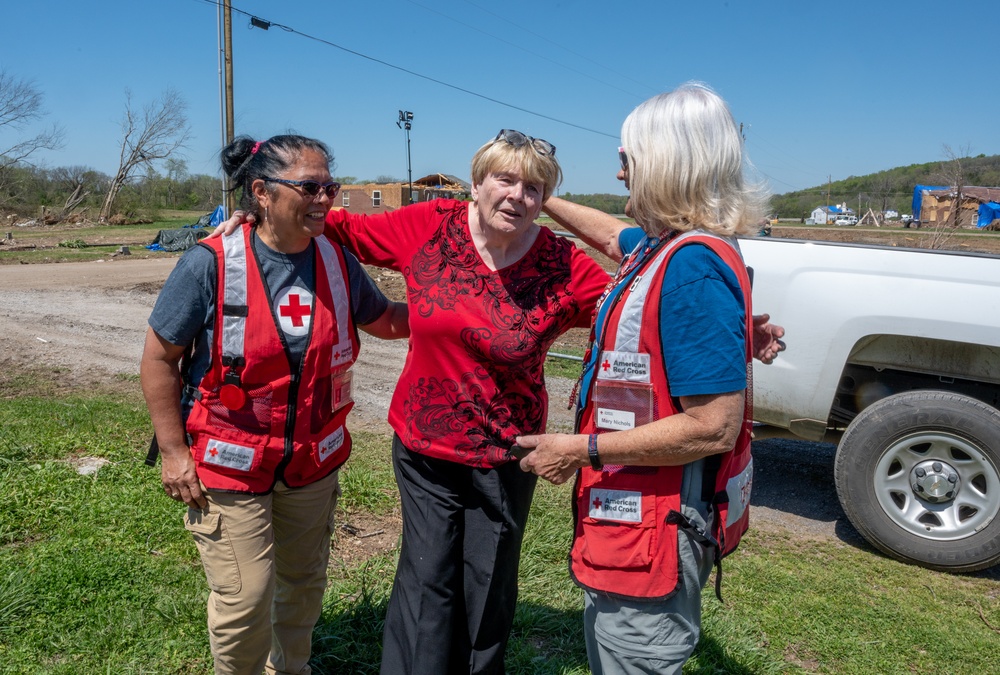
x=560 y=367
x=97 y=574
x=82 y=243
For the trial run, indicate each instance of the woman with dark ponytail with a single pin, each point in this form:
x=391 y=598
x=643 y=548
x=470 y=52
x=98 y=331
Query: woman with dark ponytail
x=246 y=374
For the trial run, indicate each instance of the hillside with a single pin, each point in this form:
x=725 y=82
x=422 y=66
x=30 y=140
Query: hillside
x=890 y=189
x=602 y=202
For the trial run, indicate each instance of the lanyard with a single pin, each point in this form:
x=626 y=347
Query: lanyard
x=629 y=263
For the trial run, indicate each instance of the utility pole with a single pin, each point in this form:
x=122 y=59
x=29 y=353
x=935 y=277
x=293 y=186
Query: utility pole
x=230 y=124
x=405 y=122
x=224 y=199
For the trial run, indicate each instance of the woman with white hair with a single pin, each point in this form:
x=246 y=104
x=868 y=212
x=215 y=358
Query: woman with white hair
x=662 y=457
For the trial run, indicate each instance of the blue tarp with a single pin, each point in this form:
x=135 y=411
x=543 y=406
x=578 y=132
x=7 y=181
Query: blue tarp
x=918 y=196
x=988 y=212
x=183 y=238
x=213 y=219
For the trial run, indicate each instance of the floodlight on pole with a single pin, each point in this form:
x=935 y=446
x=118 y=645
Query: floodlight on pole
x=405 y=121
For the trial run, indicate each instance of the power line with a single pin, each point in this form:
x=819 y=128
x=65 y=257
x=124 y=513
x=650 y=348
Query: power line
x=416 y=74
x=527 y=51
x=521 y=26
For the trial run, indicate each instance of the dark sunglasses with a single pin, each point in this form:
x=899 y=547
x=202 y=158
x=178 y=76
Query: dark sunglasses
x=623 y=158
x=310 y=187
x=517 y=139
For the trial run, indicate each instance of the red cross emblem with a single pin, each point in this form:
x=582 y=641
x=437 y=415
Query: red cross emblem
x=606 y=365
x=336 y=355
x=295 y=309
x=598 y=503
x=213 y=452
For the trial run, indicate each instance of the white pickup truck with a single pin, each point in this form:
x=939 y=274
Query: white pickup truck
x=894 y=354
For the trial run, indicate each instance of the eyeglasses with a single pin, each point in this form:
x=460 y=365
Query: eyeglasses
x=623 y=158
x=517 y=139
x=310 y=187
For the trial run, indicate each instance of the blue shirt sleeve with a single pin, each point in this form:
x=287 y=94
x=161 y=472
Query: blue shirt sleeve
x=702 y=324
x=367 y=299
x=629 y=238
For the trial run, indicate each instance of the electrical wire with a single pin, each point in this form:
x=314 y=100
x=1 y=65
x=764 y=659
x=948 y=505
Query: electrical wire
x=543 y=38
x=526 y=51
x=289 y=29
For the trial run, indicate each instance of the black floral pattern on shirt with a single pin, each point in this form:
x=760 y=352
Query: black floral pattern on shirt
x=528 y=305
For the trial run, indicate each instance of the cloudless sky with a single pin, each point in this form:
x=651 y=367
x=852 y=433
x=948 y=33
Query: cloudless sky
x=823 y=89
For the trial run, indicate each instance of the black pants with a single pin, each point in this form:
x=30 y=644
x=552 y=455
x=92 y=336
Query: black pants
x=453 y=599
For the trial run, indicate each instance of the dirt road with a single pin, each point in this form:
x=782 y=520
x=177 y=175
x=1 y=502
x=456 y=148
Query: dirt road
x=89 y=320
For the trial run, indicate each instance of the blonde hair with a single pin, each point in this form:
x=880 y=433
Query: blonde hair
x=499 y=155
x=686 y=165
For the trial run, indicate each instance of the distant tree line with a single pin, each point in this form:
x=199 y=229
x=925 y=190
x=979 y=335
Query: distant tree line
x=28 y=188
x=614 y=204
x=890 y=189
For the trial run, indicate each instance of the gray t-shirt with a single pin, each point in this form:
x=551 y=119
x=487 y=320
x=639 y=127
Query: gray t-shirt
x=184 y=313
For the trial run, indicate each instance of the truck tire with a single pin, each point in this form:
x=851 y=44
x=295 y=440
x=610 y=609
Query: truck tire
x=918 y=474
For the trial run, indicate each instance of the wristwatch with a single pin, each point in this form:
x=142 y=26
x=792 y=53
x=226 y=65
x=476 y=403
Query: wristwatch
x=595 y=460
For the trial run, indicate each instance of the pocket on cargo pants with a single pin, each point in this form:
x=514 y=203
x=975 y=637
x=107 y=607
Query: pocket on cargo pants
x=217 y=555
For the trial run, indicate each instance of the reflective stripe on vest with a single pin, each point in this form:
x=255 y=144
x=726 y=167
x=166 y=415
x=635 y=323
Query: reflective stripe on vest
x=235 y=299
x=342 y=349
x=234 y=295
x=627 y=335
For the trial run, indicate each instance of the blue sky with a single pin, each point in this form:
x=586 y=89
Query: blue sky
x=823 y=89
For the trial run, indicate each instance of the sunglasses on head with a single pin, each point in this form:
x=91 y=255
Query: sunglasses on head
x=623 y=158
x=310 y=187
x=517 y=139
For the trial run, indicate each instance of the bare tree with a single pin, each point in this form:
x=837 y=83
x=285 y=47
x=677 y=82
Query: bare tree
x=882 y=188
x=952 y=174
x=20 y=106
x=155 y=133
x=78 y=182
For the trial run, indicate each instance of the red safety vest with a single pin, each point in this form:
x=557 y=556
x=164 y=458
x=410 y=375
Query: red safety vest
x=255 y=420
x=627 y=517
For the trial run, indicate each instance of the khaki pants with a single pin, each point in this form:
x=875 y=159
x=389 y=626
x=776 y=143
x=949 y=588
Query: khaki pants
x=265 y=558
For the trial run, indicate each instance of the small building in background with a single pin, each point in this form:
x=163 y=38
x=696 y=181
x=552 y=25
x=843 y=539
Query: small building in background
x=385 y=197
x=440 y=186
x=824 y=215
x=371 y=197
x=953 y=206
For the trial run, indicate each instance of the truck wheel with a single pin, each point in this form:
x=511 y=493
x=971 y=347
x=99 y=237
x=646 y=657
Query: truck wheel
x=918 y=474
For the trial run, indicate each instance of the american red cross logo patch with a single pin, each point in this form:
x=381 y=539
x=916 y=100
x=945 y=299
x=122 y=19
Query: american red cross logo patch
x=293 y=307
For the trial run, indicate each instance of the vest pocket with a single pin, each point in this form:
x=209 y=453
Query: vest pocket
x=227 y=457
x=622 y=405
x=253 y=417
x=619 y=528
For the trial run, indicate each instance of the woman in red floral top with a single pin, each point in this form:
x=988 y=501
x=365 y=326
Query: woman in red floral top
x=489 y=291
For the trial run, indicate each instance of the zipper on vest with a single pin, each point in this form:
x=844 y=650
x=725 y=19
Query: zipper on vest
x=292 y=411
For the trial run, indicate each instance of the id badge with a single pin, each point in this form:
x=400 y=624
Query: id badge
x=341 y=384
x=619 y=405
